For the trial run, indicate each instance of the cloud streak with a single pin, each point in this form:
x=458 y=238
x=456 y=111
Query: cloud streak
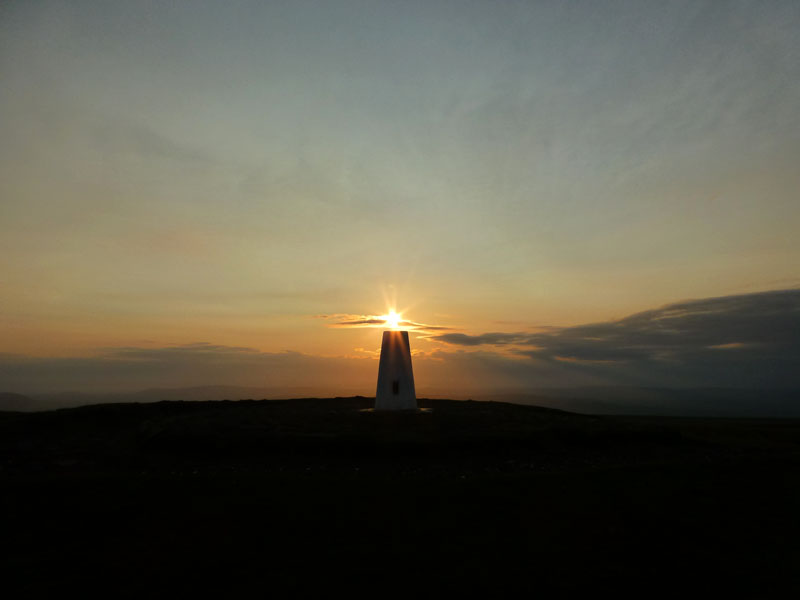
x=750 y=339
x=350 y=321
x=484 y=339
x=197 y=364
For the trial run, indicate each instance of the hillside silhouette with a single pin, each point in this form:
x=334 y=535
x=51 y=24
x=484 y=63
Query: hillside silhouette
x=320 y=495
x=626 y=400
x=17 y=402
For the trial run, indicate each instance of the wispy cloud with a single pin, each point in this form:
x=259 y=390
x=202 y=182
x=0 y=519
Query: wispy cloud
x=133 y=368
x=490 y=339
x=354 y=321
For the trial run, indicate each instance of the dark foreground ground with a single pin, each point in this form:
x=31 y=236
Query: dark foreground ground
x=298 y=497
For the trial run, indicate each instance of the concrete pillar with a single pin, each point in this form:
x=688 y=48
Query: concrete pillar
x=395 y=377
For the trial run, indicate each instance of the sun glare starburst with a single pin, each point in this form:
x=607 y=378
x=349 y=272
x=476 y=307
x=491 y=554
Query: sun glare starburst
x=392 y=320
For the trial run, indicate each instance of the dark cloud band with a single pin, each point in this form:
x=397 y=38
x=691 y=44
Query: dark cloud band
x=745 y=338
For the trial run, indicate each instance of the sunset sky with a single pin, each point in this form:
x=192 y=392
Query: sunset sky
x=197 y=193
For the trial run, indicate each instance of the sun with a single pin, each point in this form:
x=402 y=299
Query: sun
x=392 y=319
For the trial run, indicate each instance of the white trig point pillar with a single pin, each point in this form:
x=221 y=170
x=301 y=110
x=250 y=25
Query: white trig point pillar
x=395 y=377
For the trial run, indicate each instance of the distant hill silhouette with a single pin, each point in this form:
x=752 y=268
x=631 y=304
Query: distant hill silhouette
x=700 y=402
x=695 y=402
x=17 y=402
x=71 y=399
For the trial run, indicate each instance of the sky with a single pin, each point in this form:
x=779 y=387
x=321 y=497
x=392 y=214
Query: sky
x=197 y=193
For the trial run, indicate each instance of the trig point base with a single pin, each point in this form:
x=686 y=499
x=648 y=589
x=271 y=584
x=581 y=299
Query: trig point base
x=395 y=376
